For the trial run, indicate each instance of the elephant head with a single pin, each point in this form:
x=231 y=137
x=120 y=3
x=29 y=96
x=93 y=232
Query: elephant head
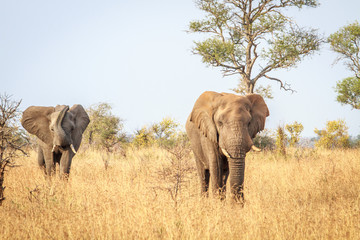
x=230 y=122
x=58 y=127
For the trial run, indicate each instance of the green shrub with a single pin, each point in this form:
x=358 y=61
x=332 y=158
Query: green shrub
x=335 y=135
x=294 y=130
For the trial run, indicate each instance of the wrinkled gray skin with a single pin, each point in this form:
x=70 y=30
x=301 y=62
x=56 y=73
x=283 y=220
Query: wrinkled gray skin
x=221 y=127
x=59 y=132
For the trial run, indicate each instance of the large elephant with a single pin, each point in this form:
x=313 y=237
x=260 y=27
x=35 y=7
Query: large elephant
x=221 y=127
x=59 y=131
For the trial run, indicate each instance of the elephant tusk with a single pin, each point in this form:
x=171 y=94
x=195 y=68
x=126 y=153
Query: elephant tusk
x=256 y=149
x=72 y=148
x=225 y=153
x=53 y=149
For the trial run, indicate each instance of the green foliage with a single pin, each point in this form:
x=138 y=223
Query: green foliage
x=335 y=135
x=346 y=42
x=294 y=130
x=288 y=48
x=264 y=140
x=355 y=142
x=144 y=137
x=214 y=51
x=245 y=33
x=105 y=130
x=166 y=133
x=348 y=91
x=265 y=92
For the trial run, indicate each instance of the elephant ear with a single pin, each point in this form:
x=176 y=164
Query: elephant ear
x=202 y=114
x=36 y=120
x=81 y=120
x=259 y=111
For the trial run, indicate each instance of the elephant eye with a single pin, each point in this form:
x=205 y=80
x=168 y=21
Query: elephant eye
x=52 y=129
x=220 y=123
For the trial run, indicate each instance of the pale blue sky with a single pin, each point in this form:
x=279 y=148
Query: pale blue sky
x=137 y=56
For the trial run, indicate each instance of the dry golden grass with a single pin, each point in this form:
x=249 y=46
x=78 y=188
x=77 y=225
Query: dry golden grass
x=308 y=195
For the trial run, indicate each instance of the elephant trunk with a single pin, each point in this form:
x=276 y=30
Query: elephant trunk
x=60 y=138
x=236 y=140
x=61 y=116
x=236 y=178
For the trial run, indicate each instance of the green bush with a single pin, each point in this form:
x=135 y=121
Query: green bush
x=335 y=135
x=166 y=134
x=294 y=130
x=264 y=140
x=105 y=130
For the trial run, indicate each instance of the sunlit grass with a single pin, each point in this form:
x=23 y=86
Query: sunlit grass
x=309 y=194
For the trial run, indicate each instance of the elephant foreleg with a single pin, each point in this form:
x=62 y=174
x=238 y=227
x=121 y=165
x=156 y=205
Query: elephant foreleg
x=41 y=159
x=216 y=175
x=225 y=177
x=204 y=176
x=205 y=183
x=65 y=163
x=49 y=162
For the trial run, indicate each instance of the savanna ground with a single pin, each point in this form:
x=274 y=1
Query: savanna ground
x=154 y=194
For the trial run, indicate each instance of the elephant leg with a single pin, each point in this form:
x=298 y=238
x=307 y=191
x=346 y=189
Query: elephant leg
x=65 y=163
x=41 y=159
x=205 y=183
x=49 y=162
x=204 y=177
x=225 y=178
x=216 y=176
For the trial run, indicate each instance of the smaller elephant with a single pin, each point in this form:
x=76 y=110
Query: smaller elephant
x=220 y=128
x=59 y=132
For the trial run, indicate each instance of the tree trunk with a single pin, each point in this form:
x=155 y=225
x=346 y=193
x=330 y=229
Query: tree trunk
x=2 y=176
x=251 y=88
x=246 y=86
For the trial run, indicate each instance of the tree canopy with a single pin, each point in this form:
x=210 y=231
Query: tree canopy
x=251 y=38
x=165 y=133
x=346 y=42
x=104 y=129
x=335 y=135
x=294 y=130
x=348 y=91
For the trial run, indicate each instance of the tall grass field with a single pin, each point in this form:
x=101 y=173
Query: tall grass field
x=153 y=193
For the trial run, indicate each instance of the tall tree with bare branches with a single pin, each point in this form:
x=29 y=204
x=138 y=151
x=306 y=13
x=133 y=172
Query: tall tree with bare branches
x=11 y=138
x=251 y=38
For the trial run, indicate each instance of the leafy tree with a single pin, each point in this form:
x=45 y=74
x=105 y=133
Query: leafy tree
x=355 y=141
x=11 y=138
x=294 y=130
x=144 y=137
x=251 y=38
x=335 y=135
x=346 y=42
x=264 y=140
x=348 y=91
x=165 y=131
x=105 y=129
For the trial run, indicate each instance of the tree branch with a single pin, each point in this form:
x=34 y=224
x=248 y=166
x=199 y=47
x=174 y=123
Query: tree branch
x=284 y=86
